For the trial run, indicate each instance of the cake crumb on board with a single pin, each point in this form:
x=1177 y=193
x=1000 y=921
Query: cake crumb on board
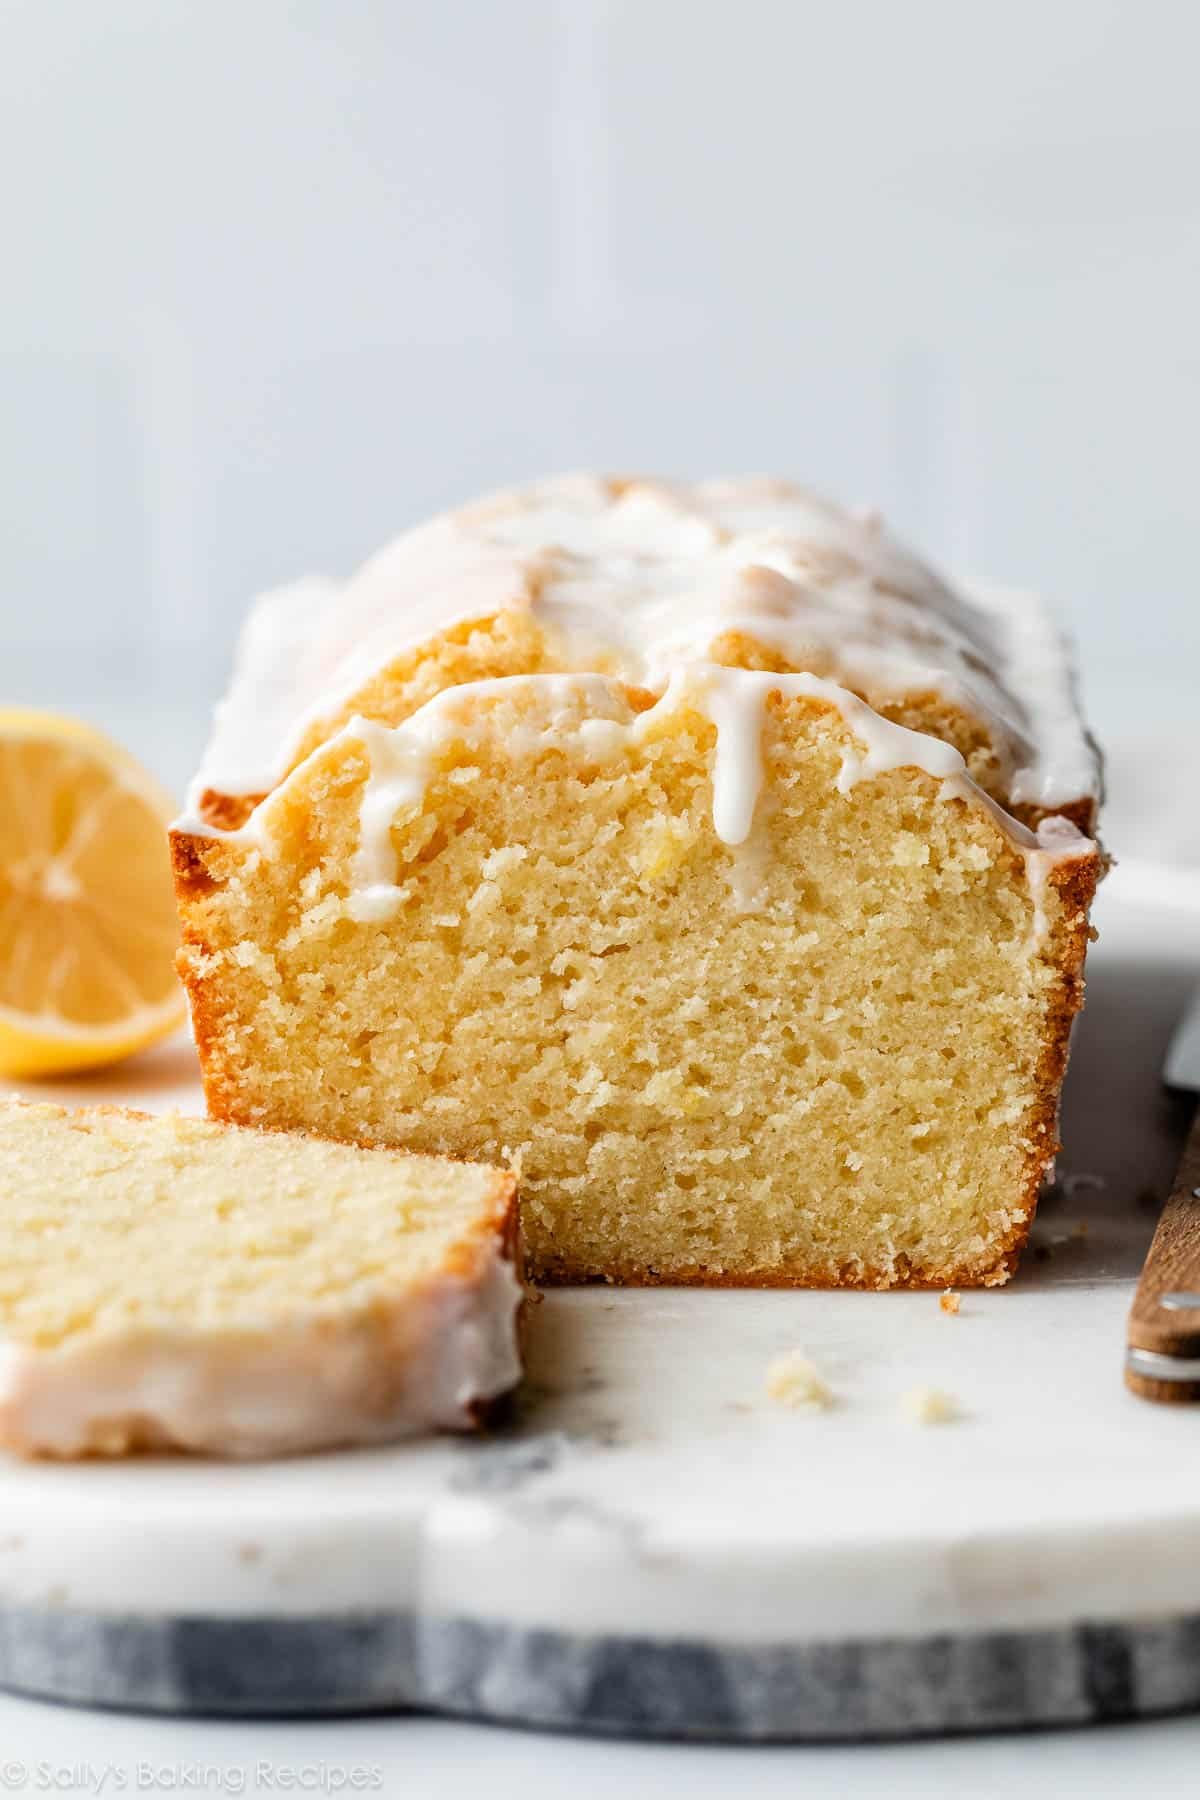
x=928 y=1406
x=794 y=1380
x=949 y=1301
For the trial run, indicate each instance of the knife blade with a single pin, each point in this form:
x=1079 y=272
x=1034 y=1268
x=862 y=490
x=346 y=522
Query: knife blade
x=1162 y=1354
x=1182 y=1066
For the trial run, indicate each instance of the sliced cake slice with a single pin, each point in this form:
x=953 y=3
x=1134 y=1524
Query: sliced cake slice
x=174 y=1283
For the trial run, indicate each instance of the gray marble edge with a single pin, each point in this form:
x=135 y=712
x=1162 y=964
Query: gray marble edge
x=625 y=1686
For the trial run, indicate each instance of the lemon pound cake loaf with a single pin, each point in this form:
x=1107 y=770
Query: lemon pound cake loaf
x=696 y=845
x=173 y=1283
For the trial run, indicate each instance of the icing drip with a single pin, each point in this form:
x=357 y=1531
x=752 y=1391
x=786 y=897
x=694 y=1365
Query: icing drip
x=399 y=773
x=736 y=709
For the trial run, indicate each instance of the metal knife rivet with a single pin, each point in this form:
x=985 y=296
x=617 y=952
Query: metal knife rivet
x=1180 y=1302
x=1196 y=1193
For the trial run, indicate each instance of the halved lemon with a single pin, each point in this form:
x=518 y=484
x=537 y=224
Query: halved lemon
x=87 y=916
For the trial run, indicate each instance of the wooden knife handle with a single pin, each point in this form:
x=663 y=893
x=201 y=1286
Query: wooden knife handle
x=1165 y=1317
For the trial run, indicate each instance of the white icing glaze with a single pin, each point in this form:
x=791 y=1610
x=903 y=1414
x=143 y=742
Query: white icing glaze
x=325 y=1377
x=639 y=579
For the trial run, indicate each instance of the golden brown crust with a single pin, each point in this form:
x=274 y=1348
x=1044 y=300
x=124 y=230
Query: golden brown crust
x=793 y=1275
x=1081 y=813
x=193 y=884
x=1075 y=882
x=499 y=1222
x=227 y=811
x=192 y=878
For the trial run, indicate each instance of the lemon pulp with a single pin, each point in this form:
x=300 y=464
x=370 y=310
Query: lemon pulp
x=87 y=916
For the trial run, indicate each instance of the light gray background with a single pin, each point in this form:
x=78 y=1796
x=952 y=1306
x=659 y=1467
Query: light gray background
x=280 y=276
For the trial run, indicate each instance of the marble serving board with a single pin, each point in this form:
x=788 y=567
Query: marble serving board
x=655 y=1547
